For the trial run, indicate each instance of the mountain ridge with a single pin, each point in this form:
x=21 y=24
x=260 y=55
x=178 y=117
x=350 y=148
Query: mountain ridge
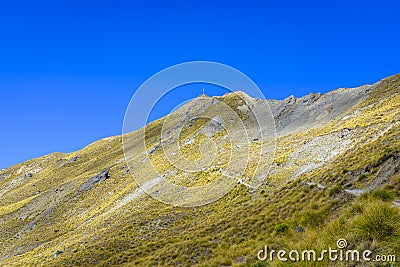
x=45 y=218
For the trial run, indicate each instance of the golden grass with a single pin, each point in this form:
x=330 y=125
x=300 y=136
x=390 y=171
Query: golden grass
x=145 y=232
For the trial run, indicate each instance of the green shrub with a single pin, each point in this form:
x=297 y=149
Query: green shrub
x=281 y=228
x=361 y=177
x=259 y=264
x=379 y=221
x=335 y=190
x=382 y=195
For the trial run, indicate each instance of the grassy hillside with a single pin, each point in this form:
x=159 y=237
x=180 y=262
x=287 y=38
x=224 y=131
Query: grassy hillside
x=337 y=179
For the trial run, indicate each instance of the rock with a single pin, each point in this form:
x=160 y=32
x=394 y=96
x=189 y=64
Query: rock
x=344 y=132
x=299 y=229
x=311 y=98
x=355 y=192
x=290 y=99
x=299 y=114
x=101 y=177
x=240 y=260
x=73 y=159
x=151 y=151
x=217 y=121
x=320 y=186
x=58 y=253
x=243 y=109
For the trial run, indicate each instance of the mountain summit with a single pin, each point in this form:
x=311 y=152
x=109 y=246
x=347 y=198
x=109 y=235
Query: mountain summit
x=330 y=160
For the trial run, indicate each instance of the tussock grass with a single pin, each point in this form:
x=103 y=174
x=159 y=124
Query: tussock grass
x=145 y=232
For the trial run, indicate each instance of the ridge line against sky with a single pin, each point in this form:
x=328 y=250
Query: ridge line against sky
x=68 y=69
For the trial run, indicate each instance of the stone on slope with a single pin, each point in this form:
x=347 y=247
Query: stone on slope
x=101 y=177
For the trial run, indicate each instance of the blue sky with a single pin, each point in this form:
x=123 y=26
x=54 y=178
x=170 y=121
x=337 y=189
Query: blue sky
x=68 y=69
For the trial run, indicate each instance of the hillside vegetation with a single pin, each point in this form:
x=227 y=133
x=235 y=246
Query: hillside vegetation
x=335 y=174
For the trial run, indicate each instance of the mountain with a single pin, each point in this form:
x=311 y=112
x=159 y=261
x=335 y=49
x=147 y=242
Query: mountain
x=329 y=171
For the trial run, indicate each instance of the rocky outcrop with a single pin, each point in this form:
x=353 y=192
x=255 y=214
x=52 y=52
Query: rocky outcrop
x=298 y=114
x=101 y=177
